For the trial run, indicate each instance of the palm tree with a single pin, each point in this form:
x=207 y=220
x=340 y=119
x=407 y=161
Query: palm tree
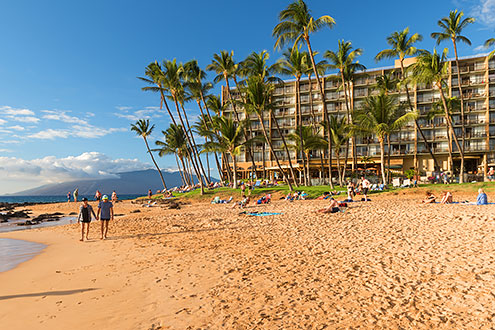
x=173 y=76
x=296 y=24
x=402 y=45
x=452 y=27
x=294 y=63
x=229 y=140
x=381 y=114
x=142 y=128
x=386 y=83
x=431 y=68
x=309 y=141
x=340 y=132
x=258 y=100
x=490 y=42
x=344 y=61
x=175 y=142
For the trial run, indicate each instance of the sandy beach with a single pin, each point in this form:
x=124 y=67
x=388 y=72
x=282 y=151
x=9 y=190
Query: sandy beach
x=387 y=264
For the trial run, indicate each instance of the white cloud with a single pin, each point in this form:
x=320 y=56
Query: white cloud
x=81 y=131
x=123 y=108
x=19 y=115
x=50 y=169
x=146 y=113
x=5 y=150
x=17 y=128
x=25 y=119
x=485 y=12
x=62 y=116
x=6 y=110
x=2 y=121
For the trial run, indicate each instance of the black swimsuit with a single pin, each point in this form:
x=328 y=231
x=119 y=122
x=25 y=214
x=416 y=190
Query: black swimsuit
x=85 y=215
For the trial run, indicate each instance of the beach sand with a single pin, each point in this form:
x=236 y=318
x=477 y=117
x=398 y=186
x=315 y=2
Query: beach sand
x=387 y=264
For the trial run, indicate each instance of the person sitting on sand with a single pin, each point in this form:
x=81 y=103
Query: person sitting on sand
x=446 y=198
x=430 y=198
x=85 y=211
x=482 y=199
x=289 y=197
x=243 y=203
x=325 y=195
x=114 y=197
x=303 y=195
x=332 y=208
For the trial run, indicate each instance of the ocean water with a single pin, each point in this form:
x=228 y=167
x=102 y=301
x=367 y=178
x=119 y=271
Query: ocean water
x=14 y=251
x=54 y=199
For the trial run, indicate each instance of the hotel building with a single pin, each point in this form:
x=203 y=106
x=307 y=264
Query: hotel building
x=478 y=88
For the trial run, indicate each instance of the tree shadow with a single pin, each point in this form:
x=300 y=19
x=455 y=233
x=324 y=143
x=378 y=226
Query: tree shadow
x=47 y=293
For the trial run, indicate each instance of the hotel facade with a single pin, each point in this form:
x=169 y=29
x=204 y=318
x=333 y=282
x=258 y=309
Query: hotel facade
x=478 y=88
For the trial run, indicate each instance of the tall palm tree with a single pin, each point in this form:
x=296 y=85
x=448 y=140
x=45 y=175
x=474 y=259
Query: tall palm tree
x=173 y=75
x=142 y=128
x=452 y=27
x=296 y=24
x=340 y=132
x=490 y=42
x=386 y=83
x=402 y=45
x=174 y=143
x=381 y=114
x=431 y=68
x=224 y=66
x=309 y=141
x=343 y=60
x=294 y=63
x=258 y=100
x=229 y=139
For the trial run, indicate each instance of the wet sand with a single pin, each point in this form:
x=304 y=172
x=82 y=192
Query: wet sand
x=387 y=264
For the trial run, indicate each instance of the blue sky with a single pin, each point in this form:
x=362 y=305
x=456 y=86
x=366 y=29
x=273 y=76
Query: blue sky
x=68 y=87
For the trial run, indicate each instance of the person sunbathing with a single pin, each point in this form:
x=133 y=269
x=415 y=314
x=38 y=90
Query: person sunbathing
x=332 y=208
x=430 y=198
x=243 y=203
x=446 y=198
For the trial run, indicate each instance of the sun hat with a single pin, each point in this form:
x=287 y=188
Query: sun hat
x=105 y=197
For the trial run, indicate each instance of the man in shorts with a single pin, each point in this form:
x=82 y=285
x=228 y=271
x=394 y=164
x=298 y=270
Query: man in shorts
x=105 y=214
x=85 y=211
x=366 y=186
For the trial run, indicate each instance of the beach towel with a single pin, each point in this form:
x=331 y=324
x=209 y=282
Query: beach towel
x=262 y=214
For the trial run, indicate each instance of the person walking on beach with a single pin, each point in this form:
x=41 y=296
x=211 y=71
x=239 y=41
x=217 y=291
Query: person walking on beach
x=366 y=186
x=85 y=211
x=68 y=197
x=105 y=214
x=114 y=197
x=150 y=193
x=97 y=195
x=76 y=194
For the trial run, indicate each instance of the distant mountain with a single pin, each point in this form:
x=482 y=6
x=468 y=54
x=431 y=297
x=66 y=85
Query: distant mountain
x=137 y=182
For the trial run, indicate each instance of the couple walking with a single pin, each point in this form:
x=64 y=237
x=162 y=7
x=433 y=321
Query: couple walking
x=104 y=213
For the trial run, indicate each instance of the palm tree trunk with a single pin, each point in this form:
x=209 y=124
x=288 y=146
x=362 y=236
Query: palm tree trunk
x=382 y=158
x=337 y=153
x=353 y=137
x=418 y=128
x=263 y=160
x=248 y=147
x=463 y=129
x=330 y=162
x=189 y=153
x=307 y=164
x=299 y=126
x=195 y=148
x=348 y=118
x=273 y=152
x=234 y=162
x=164 y=101
x=389 y=175
x=178 y=166
x=286 y=149
x=156 y=165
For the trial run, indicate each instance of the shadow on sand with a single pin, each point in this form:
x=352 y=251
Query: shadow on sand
x=47 y=293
